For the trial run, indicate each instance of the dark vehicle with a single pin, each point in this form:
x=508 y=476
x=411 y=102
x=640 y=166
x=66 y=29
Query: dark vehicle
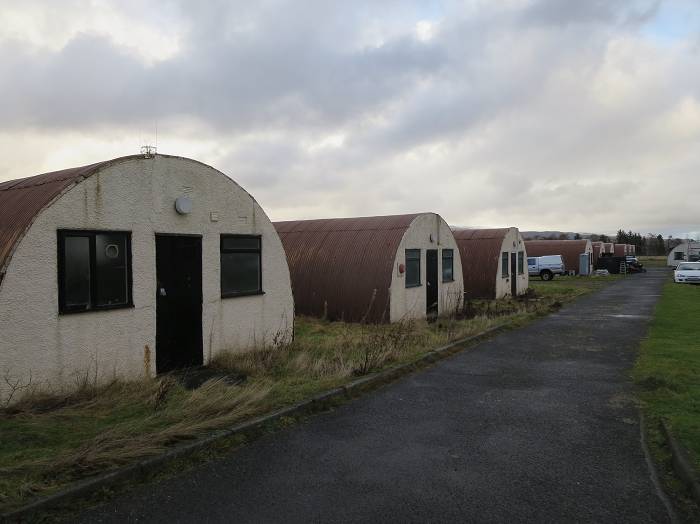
x=634 y=265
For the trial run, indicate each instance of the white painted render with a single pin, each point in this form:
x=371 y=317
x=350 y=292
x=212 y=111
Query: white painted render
x=512 y=243
x=427 y=231
x=136 y=195
x=688 y=250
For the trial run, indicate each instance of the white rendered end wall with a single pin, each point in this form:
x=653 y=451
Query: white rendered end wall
x=410 y=303
x=512 y=243
x=136 y=195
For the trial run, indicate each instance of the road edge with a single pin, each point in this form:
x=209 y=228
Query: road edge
x=681 y=463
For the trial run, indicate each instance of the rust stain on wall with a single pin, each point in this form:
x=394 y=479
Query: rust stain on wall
x=147 y=360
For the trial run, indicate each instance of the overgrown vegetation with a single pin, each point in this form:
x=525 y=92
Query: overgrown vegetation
x=668 y=372
x=50 y=441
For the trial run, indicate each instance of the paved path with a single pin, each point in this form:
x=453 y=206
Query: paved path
x=533 y=425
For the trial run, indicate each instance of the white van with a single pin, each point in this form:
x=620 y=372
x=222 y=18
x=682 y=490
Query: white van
x=546 y=267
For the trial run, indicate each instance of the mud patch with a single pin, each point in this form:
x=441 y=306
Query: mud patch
x=623 y=400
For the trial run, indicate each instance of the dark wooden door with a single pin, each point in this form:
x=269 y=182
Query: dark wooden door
x=431 y=281
x=514 y=274
x=178 y=302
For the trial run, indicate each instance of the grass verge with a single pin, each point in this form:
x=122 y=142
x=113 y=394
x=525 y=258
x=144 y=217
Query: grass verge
x=652 y=261
x=49 y=442
x=667 y=373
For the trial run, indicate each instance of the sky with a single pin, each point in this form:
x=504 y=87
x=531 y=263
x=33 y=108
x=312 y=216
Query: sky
x=540 y=114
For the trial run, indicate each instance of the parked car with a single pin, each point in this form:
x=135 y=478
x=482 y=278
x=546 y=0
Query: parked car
x=687 y=273
x=546 y=267
x=634 y=265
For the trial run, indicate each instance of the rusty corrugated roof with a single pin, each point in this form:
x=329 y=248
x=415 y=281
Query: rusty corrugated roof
x=597 y=250
x=480 y=252
x=568 y=249
x=620 y=250
x=337 y=265
x=23 y=199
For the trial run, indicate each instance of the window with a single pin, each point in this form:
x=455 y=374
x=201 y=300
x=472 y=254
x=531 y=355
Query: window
x=94 y=270
x=530 y=261
x=241 y=270
x=521 y=263
x=412 y=267
x=504 y=264
x=679 y=255
x=447 y=265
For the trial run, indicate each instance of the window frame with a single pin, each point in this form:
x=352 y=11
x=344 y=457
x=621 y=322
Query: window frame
x=442 y=262
x=420 y=255
x=61 y=235
x=505 y=257
x=233 y=294
x=521 y=262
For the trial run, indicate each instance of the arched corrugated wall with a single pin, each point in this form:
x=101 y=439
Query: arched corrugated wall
x=480 y=250
x=568 y=249
x=341 y=268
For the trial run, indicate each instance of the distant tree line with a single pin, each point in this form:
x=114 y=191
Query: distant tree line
x=650 y=244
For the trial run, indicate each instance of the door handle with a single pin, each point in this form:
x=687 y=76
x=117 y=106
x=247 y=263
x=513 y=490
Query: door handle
x=162 y=292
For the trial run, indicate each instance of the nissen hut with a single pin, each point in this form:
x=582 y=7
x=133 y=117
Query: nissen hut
x=577 y=254
x=374 y=269
x=688 y=251
x=132 y=267
x=493 y=262
x=621 y=250
x=597 y=251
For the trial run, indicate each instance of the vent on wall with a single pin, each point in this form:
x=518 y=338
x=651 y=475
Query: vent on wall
x=148 y=151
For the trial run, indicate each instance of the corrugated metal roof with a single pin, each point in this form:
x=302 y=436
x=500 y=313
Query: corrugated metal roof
x=568 y=249
x=338 y=265
x=23 y=199
x=480 y=252
x=620 y=250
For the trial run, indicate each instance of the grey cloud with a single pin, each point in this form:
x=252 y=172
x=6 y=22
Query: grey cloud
x=286 y=73
x=535 y=116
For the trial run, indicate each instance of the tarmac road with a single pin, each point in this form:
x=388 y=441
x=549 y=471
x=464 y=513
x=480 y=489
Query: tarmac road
x=534 y=425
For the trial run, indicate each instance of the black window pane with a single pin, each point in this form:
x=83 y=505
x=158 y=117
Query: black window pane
x=447 y=265
x=521 y=262
x=111 y=269
x=240 y=273
x=412 y=267
x=504 y=264
x=77 y=271
x=236 y=243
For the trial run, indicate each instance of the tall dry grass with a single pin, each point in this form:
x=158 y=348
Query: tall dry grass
x=165 y=412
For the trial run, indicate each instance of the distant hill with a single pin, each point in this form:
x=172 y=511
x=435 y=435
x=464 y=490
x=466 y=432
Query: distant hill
x=568 y=235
